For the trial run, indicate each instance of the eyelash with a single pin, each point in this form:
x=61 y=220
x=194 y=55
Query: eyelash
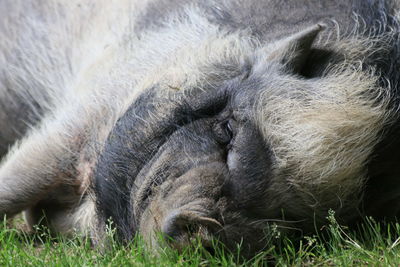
x=224 y=132
x=228 y=128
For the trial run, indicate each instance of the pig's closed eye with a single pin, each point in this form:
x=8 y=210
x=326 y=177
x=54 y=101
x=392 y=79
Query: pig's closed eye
x=224 y=131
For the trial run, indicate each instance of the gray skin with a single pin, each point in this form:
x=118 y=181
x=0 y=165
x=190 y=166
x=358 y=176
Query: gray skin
x=196 y=162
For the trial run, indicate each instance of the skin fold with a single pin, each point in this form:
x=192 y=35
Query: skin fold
x=198 y=119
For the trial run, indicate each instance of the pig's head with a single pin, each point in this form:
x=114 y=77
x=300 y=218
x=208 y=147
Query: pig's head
x=272 y=135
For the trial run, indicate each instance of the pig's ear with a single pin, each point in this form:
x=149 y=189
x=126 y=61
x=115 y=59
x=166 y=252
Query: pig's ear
x=294 y=50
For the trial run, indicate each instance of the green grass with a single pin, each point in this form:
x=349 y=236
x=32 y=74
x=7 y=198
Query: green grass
x=374 y=244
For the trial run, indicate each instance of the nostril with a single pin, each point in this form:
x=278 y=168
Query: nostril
x=210 y=223
x=181 y=227
x=175 y=225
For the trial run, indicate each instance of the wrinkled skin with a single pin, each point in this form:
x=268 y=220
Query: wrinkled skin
x=199 y=119
x=205 y=166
